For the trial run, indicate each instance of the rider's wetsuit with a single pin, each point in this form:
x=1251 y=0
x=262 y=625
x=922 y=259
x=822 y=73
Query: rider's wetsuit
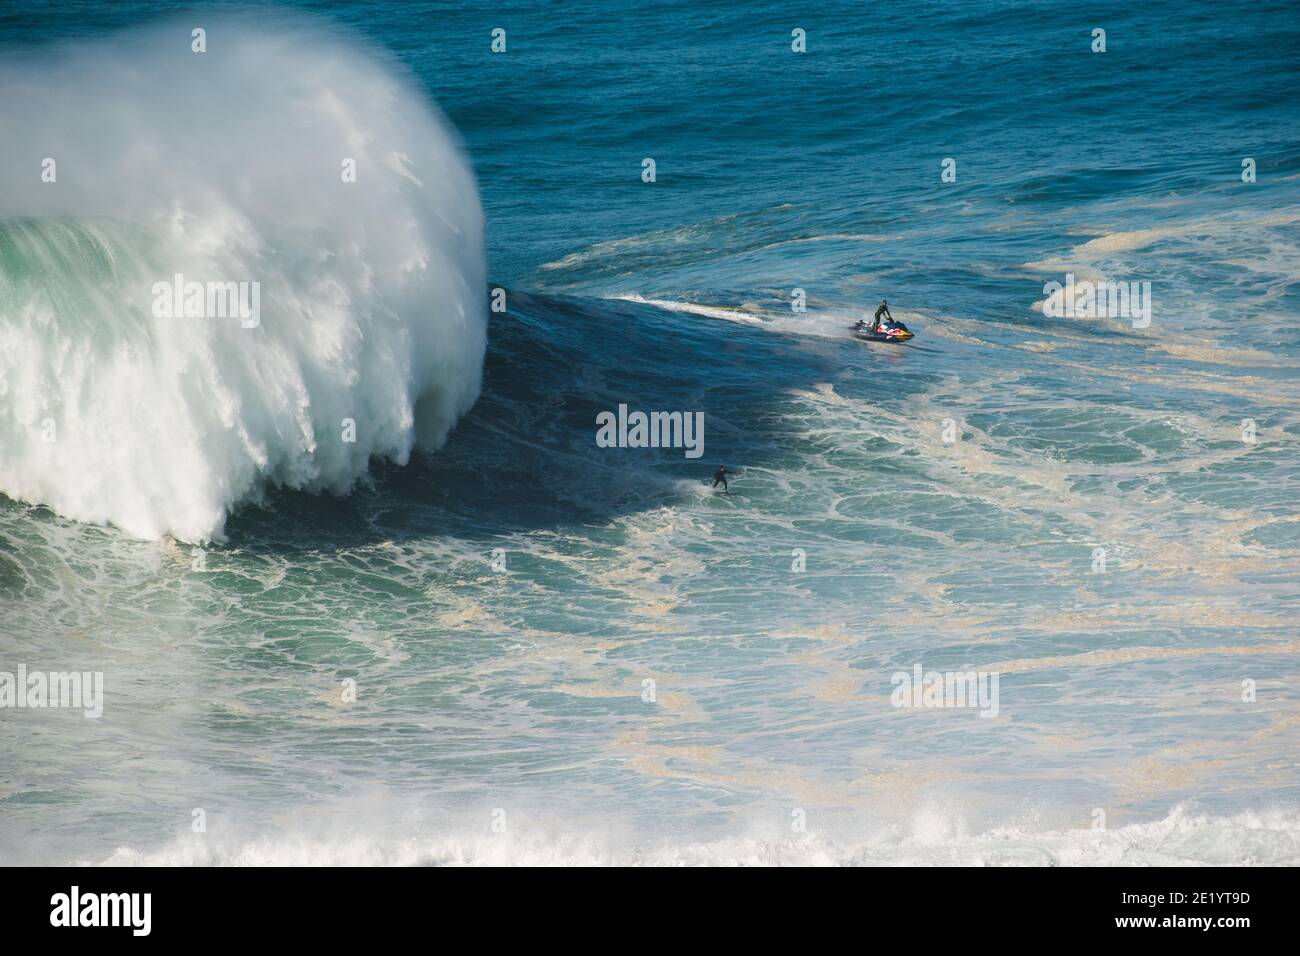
x=883 y=309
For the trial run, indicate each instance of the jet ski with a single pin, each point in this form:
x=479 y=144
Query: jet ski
x=889 y=330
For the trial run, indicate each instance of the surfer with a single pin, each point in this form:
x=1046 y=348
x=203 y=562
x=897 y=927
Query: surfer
x=720 y=477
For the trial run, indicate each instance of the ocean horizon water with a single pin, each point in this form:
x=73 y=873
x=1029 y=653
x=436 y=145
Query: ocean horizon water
x=377 y=564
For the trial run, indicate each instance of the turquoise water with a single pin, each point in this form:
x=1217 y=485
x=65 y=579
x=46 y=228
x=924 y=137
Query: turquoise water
x=502 y=599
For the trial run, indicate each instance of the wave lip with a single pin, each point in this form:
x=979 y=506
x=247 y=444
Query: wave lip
x=227 y=167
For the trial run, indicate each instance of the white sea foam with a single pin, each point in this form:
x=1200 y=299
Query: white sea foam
x=818 y=321
x=933 y=838
x=226 y=166
x=712 y=311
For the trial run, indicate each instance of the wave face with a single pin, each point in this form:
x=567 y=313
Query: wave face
x=227 y=166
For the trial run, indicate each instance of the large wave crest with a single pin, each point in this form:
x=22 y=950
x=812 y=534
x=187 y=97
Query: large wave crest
x=226 y=166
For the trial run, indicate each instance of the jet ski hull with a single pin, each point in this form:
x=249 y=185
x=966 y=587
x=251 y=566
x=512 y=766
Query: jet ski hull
x=897 y=333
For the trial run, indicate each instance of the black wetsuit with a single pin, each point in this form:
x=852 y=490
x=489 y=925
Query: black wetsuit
x=720 y=477
x=882 y=310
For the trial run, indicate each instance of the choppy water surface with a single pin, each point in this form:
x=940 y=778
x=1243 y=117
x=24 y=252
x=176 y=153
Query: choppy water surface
x=567 y=653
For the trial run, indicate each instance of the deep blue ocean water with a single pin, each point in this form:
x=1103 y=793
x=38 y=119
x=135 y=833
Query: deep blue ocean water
x=949 y=497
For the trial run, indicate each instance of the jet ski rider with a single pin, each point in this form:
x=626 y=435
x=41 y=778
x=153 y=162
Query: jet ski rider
x=882 y=309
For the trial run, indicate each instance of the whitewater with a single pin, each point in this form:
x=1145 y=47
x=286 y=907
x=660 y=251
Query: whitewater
x=935 y=836
x=373 y=291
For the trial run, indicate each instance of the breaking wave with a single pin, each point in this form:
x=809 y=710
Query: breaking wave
x=226 y=166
